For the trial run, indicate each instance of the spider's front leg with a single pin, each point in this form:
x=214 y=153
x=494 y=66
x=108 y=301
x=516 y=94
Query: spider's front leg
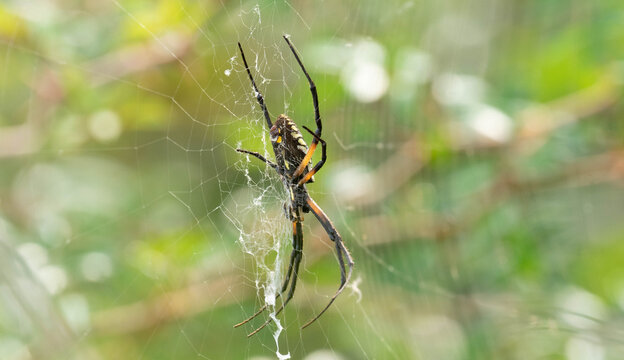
x=308 y=157
x=257 y=155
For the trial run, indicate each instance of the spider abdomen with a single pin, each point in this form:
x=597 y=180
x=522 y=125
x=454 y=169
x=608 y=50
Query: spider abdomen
x=289 y=146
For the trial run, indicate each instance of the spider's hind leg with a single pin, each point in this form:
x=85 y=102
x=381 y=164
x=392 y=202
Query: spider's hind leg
x=291 y=275
x=293 y=265
x=342 y=254
x=290 y=281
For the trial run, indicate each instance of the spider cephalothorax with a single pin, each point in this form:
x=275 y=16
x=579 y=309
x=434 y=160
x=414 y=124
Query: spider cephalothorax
x=293 y=165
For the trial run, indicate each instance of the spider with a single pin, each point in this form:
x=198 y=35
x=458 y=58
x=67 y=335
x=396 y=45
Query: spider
x=293 y=165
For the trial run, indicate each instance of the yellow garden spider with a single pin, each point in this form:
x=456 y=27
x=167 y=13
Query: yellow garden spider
x=292 y=164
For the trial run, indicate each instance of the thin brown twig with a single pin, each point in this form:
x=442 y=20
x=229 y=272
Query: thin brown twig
x=137 y=58
x=606 y=167
x=168 y=307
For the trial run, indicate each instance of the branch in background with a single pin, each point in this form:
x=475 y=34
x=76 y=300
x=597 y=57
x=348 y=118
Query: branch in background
x=48 y=91
x=409 y=159
x=138 y=58
x=168 y=307
x=381 y=229
x=26 y=138
x=542 y=120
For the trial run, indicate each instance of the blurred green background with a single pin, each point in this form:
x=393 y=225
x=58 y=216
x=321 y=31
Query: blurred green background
x=476 y=165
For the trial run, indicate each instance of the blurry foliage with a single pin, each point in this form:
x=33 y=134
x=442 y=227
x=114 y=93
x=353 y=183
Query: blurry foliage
x=480 y=194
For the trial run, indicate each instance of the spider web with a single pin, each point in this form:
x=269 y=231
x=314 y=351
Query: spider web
x=130 y=227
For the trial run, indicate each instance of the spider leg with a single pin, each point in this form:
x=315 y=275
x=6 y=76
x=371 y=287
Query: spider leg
x=253 y=153
x=317 y=115
x=293 y=255
x=318 y=165
x=252 y=316
x=296 y=250
x=341 y=250
x=293 y=270
x=306 y=159
x=259 y=96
